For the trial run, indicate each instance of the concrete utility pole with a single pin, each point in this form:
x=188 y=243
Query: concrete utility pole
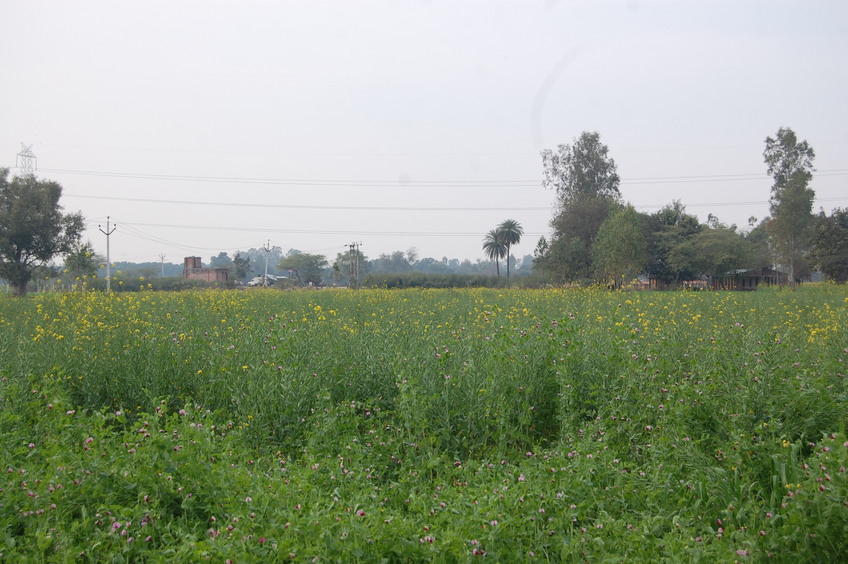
x=108 y=232
x=354 y=264
x=26 y=160
x=162 y=258
x=267 y=249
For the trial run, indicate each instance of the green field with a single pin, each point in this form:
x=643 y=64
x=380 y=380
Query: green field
x=573 y=425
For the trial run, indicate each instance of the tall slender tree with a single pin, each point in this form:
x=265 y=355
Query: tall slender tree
x=495 y=248
x=511 y=232
x=790 y=164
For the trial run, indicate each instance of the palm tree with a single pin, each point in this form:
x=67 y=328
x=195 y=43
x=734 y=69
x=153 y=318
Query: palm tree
x=510 y=232
x=495 y=248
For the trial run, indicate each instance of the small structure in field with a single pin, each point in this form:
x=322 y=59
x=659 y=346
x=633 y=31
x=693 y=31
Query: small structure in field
x=749 y=279
x=193 y=270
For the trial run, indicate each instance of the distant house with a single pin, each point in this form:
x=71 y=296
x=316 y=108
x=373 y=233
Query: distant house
x=193 y=270
x=654 y=283
x=748 y=279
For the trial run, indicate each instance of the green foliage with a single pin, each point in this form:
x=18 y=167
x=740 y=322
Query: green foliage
x=82 y=262
x=498 y=242
x=33 y=228
x=422 y=280
x=576 y=225
x=308 y=268
x=510 y=233
x=423 y=425
x=241 y=265
x=583 y=168
x=495 y=247
x=671 y=252
x=829 y=240
x=345 y=264
x=719 y=250
x=621 y=249
x=585 y=179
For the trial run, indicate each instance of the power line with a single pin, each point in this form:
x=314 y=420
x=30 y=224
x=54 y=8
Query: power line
x=394 y=208
x=315 y=231
x=308 y=207
x=299 y=181
x=421 y=183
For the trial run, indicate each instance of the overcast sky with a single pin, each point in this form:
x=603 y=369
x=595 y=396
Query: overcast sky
x=212 y=126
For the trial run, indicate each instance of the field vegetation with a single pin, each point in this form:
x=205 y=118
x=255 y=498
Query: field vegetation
x=418 y=425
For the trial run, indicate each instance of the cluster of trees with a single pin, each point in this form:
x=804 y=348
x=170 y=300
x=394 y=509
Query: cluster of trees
x=499 y=241
x=316 y=269
x=598 y=237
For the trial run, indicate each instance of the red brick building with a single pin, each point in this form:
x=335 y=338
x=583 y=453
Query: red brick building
x=193 y=270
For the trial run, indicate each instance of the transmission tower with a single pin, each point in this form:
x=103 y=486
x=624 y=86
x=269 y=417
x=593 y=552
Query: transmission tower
x=26 y=160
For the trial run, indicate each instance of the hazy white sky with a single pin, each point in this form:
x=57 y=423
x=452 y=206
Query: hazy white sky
x=210 y=126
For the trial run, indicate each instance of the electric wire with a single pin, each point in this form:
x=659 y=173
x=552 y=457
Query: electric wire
x=421 y=183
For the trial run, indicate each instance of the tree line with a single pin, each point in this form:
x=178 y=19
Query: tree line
x=597 y=237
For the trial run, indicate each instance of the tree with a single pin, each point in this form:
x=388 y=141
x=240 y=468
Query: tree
x=621 y=248
x=33 y=228
x=495 y=248
x=719 y=250
x=583 y=168
x=758 y=240
x=510 y=233
x=393 y=263
x=223 y=260
x=308 y=268
x=829 y=239
x=347 y=264
x=82 y=261
x=412 y=255
x=670 y=233
x=586 y=181
x=790 y=164
x=241 y=265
